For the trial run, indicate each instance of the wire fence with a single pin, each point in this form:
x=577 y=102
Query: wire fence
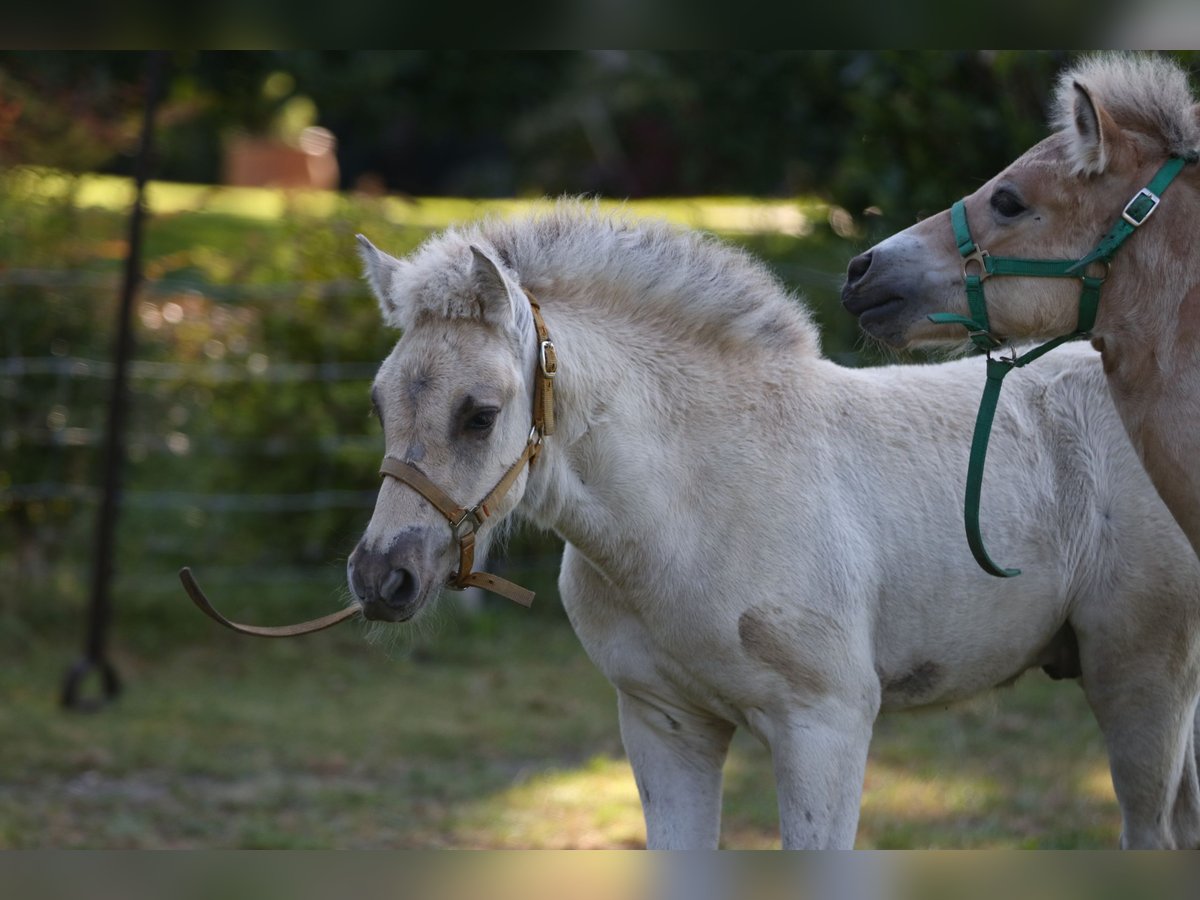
x=249 y=442
x=197 y=427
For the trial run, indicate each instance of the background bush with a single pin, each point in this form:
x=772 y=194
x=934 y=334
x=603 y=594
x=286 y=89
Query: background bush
x=232 y=295
x=861 y=129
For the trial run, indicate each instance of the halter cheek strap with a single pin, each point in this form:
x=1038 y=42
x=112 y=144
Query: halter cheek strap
x=978 y=266
x=465 y=521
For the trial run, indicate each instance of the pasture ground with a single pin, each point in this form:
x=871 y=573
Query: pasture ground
x=493 y=731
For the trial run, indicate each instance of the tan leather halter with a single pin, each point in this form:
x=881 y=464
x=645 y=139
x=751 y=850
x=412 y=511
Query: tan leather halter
x=464 y=521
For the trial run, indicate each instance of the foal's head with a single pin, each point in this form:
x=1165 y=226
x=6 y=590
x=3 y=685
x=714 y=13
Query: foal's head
x=1119 y=118
x=454 y=401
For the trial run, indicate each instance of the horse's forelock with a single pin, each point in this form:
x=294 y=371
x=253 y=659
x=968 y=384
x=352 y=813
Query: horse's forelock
x=573 y=249
x=441 y=280
x=1141 y=92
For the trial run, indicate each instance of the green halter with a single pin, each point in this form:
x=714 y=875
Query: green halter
x=1136 y=212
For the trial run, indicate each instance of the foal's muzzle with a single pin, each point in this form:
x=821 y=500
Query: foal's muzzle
x=391 y=585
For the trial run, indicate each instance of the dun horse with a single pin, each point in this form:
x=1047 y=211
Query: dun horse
x=1119 y=176
x=758 y=538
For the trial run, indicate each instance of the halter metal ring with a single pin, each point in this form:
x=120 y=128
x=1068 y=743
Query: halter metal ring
x=977 y=256
x=1107 y=263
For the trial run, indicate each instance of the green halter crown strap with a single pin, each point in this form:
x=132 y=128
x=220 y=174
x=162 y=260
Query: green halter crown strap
x=1136 y=212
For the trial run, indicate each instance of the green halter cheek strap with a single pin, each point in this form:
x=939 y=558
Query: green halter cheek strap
x=978 y=328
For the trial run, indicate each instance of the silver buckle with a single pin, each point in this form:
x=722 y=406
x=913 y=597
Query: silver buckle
x=472 y=513
x=549 y=369
x=977 y=256
x=1154 y=201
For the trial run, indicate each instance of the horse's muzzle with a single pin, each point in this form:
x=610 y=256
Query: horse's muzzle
x=391 y=585
x=864 y=295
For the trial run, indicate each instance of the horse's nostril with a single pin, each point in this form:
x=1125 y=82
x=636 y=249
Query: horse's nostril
x=857 y=269
x=399 y=588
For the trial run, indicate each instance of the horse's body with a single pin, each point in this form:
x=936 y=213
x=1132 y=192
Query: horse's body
x=759 y=538
x=1119 y=118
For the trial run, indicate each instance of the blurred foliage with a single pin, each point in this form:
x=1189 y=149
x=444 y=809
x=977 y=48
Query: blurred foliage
x=862 y=129
x=856 y=128
x=232 y=302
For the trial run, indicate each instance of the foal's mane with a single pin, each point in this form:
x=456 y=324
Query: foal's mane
x=1144 y=93
x=572 y=253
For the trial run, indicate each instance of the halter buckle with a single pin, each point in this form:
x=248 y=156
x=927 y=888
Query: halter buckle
x=1136 y=217
x=977 y=256
x=548 y=359
x=456 y=527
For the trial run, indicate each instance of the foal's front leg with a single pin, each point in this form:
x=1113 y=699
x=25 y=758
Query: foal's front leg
x=819 y=755
x=677 y=757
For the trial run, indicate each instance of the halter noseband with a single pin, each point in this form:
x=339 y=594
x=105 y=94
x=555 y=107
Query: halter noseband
x=465 y=521
x=1136 y=211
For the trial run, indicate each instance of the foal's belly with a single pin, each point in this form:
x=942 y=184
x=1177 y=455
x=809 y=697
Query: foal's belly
x=940 y=677
x=776 y=656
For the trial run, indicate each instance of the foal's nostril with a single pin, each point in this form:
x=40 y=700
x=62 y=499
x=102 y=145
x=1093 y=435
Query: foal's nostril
x=399 y=588
x=857 y=269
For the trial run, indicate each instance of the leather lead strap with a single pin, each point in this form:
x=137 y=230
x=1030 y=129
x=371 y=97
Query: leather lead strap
x=202 y=603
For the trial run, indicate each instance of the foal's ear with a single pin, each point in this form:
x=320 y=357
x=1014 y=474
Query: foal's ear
x=496 y=292
x=1096 y=138
x=381 y=271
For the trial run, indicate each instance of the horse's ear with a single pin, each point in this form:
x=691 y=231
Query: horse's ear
x=495 y=290
x=1096 y=137
x=381 y=271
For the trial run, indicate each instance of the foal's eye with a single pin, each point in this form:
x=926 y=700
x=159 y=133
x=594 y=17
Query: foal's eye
x=482 y=420
x=1005 y=202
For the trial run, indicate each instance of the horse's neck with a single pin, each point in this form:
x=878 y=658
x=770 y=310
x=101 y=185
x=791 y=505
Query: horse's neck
x=1149 y=304
x=1149 y=335
x=585 y=485
x=1160 y=409
x=634 y=406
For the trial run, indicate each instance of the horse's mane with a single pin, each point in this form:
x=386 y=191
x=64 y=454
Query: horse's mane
x=1144 y=93
x=571 y=251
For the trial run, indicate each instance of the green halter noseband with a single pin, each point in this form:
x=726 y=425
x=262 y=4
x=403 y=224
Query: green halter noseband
x=1136 y=212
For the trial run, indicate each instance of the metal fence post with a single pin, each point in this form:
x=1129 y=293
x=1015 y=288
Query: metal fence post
x=95 y=658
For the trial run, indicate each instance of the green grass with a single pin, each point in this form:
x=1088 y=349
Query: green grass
x=492 y=731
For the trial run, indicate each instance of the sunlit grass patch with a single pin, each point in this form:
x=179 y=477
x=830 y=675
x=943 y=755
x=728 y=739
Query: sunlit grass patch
x=592 y=806
x=734 y=215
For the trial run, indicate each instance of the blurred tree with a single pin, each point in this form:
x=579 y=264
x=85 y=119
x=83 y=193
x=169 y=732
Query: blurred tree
x=865 y=129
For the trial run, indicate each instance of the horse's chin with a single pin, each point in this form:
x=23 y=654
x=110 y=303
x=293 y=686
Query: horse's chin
x=377 y=610
x=889 y=325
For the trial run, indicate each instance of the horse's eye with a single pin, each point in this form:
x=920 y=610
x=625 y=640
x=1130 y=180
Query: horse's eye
x=1005 y=202
x=482 y=420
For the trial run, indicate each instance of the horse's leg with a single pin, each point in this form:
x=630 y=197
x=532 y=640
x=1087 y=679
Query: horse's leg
x=1146 y=706
x=677 y=756
x=820 y=759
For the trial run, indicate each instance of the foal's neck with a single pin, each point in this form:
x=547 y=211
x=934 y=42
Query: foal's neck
x=640 y=408
x=1148 y=332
